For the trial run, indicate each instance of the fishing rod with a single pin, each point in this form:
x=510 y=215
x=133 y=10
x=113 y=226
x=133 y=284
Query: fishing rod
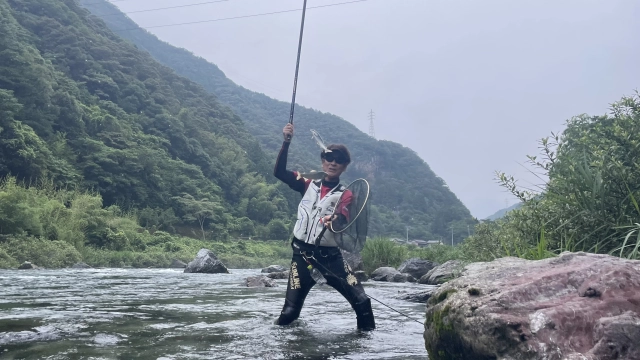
x=295 y=78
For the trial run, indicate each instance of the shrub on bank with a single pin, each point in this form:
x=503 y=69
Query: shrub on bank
x=41 y=252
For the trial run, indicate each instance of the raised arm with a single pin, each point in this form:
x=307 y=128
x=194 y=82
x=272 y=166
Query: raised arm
x=280 y=170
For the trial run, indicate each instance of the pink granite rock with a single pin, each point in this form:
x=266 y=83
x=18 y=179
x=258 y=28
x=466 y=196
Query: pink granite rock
x=575 y=306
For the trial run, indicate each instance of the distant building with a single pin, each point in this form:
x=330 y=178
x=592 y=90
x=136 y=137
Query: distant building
x=417 y=242
x=425 y=243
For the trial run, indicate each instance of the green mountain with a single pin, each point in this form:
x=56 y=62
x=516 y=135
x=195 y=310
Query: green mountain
x=406 y=190
x=84 y=108
x=502 y=212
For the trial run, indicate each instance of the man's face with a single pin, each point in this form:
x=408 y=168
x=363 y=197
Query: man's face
x=334 y=164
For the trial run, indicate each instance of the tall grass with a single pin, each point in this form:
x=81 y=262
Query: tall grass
x=379 y=252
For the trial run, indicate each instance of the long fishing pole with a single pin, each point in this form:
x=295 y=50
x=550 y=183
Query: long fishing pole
x=295 y=78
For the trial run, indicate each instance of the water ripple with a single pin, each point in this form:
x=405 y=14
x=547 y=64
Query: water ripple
x=166 y=314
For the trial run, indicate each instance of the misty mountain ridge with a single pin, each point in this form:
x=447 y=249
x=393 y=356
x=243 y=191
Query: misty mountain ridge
x=100 y=114
x=502 y=212
x=406 y=192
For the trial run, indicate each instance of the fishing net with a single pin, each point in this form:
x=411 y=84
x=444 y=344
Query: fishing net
x=352 y=209
x=352 y=222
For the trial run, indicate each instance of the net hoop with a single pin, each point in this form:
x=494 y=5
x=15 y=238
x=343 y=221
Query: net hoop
x=364 y=203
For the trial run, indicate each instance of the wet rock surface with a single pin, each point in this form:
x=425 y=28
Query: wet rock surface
x=442 y=273
x=274 y=268
x=390 y=274
x=575 y=306
x=421 y=296
x=27 y=265
x=278 y=275
x=259 y=281
x=416 y=267
x=206 y=262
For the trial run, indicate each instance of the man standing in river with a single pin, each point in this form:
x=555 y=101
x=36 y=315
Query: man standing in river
x=314 y=211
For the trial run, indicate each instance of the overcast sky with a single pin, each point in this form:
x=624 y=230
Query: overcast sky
x=471 y=85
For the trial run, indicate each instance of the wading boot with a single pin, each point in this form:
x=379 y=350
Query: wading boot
x=364 y=314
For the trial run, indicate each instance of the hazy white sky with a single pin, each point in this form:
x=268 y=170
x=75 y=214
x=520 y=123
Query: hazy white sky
x=470 y=85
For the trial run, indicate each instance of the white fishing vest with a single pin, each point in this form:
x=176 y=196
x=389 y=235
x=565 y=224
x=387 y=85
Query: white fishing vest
x=310 y=212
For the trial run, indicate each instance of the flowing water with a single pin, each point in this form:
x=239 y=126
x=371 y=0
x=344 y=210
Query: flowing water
x=167 y=314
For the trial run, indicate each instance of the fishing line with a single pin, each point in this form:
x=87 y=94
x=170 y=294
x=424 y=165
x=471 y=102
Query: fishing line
x=163 y=8
x=102 y=2
x=240 y=17
x=371 y=297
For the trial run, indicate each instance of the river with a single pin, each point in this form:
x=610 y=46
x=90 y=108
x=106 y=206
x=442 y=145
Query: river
x=166 y=314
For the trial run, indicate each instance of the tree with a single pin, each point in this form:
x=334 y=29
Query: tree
x=198 y=210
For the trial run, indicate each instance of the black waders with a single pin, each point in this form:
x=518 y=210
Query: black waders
x=329 y=261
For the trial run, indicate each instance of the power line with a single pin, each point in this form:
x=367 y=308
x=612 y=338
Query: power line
x=241 y=17
x=164 y=8
x=101 y=2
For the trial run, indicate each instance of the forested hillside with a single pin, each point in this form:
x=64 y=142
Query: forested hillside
x=406 y=191
x=83 y=108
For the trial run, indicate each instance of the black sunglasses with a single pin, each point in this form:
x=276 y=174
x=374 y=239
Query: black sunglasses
x=334 y=156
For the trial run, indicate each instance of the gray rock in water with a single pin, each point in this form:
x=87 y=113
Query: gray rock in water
x=278 y=275
x=387 y=273
x=442 y=273
x=354 y=260
x=361 y=276
x=81 y=265
x=274 y=268
x=417 y=267
x=259 y=281
x=402 y=278
x=177 y=264
x=27 y=265
x=575 y=306
x=206 y=262
x=421 y=296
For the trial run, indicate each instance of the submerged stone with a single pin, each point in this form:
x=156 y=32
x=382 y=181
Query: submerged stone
x=259 y=281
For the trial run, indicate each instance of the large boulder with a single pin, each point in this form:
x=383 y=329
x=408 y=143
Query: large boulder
x=27 y=265
x=416 y=267
x=575 y=306
x=442 y=273
x=206 y=262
